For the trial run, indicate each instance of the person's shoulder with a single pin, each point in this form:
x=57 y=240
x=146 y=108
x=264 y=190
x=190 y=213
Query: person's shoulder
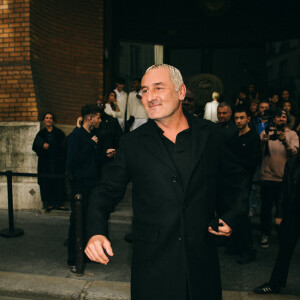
x=76 y=132
x=58 y=131
x=132 y=96
x=110 y=118
x=42 y=131
x=291 y=134
x=253 y=133
x=205 y=124
x=135 y=135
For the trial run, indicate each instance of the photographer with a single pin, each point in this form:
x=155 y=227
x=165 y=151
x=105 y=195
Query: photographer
x=278 y=143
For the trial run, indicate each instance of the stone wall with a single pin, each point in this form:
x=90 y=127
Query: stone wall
x=16 y=154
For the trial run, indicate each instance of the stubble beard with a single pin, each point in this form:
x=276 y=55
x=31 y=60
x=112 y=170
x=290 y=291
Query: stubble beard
x=169 y=115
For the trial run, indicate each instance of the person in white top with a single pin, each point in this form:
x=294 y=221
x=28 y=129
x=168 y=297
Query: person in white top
x=121 y=100
x=210 y=110
x=136 y=114
x=111 y=106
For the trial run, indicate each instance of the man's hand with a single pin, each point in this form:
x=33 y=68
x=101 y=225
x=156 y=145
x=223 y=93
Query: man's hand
x=46 y=146
x=95 y=249
x=278 y=221
x=95 y=139
x=282 y=136
x=265 y=137
x=223 y=228
x=111 y=152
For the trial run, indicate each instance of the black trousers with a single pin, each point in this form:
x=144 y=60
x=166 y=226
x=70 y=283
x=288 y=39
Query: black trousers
x=241 y=240
x=52 y=191
x=269 y=193
x=85 y=191
x=289 y=234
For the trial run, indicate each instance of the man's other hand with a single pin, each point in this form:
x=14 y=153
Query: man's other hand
x=95 y=249
x=223 y=228
x=95 y=139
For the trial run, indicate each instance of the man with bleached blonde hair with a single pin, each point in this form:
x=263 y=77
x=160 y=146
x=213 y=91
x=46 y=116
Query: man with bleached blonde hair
x=174 y=162
x=210 y=110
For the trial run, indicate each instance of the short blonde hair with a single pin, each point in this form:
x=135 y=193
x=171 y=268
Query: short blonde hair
x=215 y=95
x=175 y=74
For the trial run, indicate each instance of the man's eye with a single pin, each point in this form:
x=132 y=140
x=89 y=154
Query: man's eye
x=144 y=91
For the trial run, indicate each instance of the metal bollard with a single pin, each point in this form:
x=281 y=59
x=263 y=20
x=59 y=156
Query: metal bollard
x=11 y=231
x=79 y=234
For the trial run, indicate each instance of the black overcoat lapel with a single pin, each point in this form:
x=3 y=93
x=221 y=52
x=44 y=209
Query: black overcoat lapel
x=154 y=144
x=199 y=141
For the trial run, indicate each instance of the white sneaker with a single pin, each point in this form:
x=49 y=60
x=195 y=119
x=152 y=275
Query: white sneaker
x=265 y=241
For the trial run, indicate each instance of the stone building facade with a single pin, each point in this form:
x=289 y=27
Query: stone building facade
x=51 y=59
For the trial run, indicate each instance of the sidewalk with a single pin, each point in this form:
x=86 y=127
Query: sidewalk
x=33 y=266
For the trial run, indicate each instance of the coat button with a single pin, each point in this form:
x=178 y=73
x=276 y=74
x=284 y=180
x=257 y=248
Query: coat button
x=184 y=208
x=179 y=238
x=174 y=179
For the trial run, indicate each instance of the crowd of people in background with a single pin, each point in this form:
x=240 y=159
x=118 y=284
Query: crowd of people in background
x=260 y=131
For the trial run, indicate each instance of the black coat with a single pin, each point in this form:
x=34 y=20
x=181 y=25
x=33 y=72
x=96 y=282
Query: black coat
x=289 y=199
x=51 y=161
x=171 y=245
x=109 y=134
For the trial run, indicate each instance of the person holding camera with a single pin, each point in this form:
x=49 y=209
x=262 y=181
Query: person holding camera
x=278 y=144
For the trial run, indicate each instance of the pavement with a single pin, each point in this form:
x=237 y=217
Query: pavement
x=33 y=266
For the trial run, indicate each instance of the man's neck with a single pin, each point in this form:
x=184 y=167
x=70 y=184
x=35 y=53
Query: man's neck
x=174 y=124
x=223 y=124
x=87 y=126
x=244 y=130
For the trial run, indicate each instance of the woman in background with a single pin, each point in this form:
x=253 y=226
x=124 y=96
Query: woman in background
x=210 y=110
x=111 y=106
x=49 y=147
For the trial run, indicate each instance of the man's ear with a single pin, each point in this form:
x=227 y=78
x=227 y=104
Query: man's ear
x=182 y=92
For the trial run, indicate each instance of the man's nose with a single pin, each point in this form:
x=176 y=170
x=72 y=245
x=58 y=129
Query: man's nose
x=151 y=95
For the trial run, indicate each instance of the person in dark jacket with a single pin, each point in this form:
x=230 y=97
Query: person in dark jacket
x=287 y=216
x=49 y=146
x=245 y=145
x=83 y=170
x=224 y=113
x=109 y=133
x=175 y=164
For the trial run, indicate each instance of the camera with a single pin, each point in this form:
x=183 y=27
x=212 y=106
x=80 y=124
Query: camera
x=274 y=130
x=271 y=129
